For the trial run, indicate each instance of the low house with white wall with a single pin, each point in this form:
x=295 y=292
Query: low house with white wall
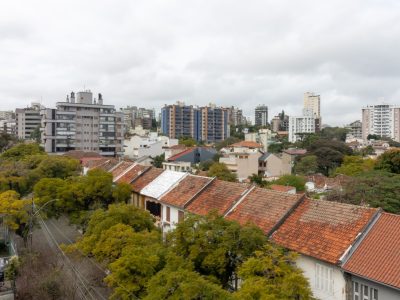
x=178 y=197
x=149 y=145
x=178 y=166
x=323 y=233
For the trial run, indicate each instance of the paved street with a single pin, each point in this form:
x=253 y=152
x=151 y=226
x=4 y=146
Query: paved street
x=85 y=274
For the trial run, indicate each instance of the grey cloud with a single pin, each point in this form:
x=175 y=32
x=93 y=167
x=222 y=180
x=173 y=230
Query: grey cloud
x=228 y=52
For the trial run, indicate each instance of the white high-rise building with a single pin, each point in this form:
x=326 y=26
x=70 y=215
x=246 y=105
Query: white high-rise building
x=261 y=115
x=83 y=123
x=382 y=120
x=304 y=124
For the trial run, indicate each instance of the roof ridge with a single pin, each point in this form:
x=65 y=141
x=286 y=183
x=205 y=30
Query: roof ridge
x=240 y=200
x=134 y=164
x=213 y=179
x=141 y=173
x=173 y=186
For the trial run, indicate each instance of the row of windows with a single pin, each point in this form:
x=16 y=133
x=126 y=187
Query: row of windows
x=364 y=292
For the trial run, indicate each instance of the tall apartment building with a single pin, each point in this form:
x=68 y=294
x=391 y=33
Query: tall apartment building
x=261 y=115
x=214 y=123
x=7 y=115
x=209 y=123
x=382 y=120
x=355 y=129
x=27 y=120
x=280 y=122
x=83 y=123
x=300 y=125
x=235 y=116
x=312 y=102
x=134 y=116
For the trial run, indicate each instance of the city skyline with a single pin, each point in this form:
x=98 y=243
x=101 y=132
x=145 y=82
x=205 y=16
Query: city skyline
x=139 y=52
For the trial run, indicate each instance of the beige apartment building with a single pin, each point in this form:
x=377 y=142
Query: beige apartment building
x=27 y=120
x=382 y=120
x=83 y=123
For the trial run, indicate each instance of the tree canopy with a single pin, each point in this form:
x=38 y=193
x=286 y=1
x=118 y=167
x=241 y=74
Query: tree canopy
x=221 y=171
x=292 y=180
x=389 y=161
x=307 y=165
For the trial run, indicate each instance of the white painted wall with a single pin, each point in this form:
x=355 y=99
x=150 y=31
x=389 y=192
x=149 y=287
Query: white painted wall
x=174 y=211
x=151 y=145
x=309 y=267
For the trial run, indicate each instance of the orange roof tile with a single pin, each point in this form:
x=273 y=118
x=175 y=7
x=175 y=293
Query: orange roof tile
x=104 y=164
x=323 y=229
x=263 y=207
x=378 y=255
x=247 y=144
x=281 y=188
x=130 y=175
x=120 y=168
x=187 y=188
x=219 y=195
x=145 y=179
x=177 y=155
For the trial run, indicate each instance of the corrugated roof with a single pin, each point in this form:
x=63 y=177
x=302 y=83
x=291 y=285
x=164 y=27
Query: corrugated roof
x=131 y=174
x=263 y=207
x=161 y=184
x=323 y=229
x=148 y=176
x=187 y=188
x=219 y=195
x=378 y=255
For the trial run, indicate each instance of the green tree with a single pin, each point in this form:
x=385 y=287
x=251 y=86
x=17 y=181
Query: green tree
x=58 y=167
x=22 y=150
x=334 y=133
x=122 y=192
x=36 y=135
x=292 y=180
x=374 y=188
x=257 y=179
x=181 y=283
x=221 y=171
x=389 y=161
x=187 y=141
x=355 y=165
x=271 y=274
x=158 y=160
x=101 y=220
x=6 y=141
x=307 y=165
x=215 y=246
x=205 y=165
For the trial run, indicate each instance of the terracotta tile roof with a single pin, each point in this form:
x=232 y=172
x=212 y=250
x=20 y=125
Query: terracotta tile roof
x=282 y=188
x=105 y=164
x=88 y=161
x=120 y=168
x=162 y=184
x=145 y=179
x=185 y=190
x=263 y=207
x=131 y=174
x=247 y=144
x=78 y=154
x=378 y=255
x=183 y=147
x=323 y=229
x=219 y=195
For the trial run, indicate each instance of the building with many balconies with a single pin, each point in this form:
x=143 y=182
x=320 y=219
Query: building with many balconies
x=82 y=123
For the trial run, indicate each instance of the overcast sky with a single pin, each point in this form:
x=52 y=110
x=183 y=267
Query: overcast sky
x=242 y=53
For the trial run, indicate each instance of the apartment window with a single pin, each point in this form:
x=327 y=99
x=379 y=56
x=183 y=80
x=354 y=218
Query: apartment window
x=181 y=216
x=364 y=292
x=168 y=214
x=324 y=278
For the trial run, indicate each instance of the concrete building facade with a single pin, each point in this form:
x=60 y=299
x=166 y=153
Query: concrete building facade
x=301 y=125
x=208 y=123
x=382 y=120
x=261 y=115
x=27 y=120
x=83 y=123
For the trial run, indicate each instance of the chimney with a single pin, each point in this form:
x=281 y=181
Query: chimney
x=100 y=100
